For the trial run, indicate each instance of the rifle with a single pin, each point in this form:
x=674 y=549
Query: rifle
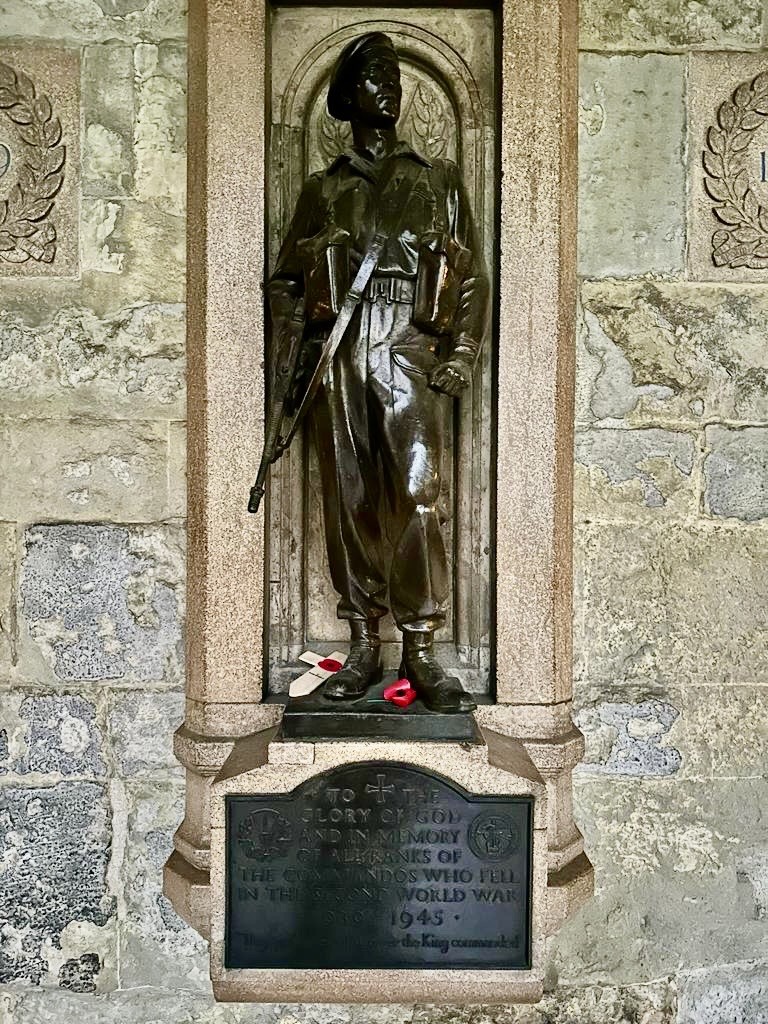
x=287 y=356
x=275 y=444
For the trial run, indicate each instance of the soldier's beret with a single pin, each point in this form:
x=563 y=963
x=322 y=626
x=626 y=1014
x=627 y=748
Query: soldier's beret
x=350 y=58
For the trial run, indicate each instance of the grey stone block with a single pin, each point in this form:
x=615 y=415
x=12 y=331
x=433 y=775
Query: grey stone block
x=54 y=844
x=629 y=739
x=598 y=1004
x=624 y=471
x=668 y=24
x=78 y=975
x=61 y=736
x=141 y=731
x=657 y=352
x=668 y=897
x=137 y=246
x=128 y=364
x=735 y=994
x=109 y=112
x=161 y=125
x=648 y=612
x=752 y=870
x=632 y=178
x=157 y=947
x=103 y=602
x=736 y=472
x=163 y=1005
x=722 y=730
x=78 y=470
x=75 y=22
x=8 y=570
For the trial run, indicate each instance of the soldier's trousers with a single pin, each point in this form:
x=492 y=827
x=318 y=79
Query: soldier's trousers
x=379 y=431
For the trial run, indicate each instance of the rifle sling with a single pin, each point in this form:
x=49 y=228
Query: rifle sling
x=354 y=296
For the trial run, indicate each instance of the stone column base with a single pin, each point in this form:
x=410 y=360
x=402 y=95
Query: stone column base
x=189 y=891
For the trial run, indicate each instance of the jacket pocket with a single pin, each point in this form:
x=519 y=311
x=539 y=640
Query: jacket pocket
x=325 y=259
x=442 y=265
x=415 y=360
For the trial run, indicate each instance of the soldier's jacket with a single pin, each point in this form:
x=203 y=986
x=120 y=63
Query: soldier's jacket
x=343 y=202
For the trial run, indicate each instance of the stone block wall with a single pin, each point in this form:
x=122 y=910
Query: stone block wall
x=671 y=527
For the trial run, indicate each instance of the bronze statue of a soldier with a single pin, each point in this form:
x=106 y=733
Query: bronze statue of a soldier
x=382 y=262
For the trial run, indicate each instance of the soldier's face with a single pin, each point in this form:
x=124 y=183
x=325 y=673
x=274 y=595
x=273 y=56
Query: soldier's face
x=376 y=93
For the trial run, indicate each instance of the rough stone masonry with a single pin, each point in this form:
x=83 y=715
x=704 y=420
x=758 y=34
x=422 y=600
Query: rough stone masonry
x=671 y=525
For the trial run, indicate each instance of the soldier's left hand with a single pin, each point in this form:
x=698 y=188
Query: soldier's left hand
x=450 y=377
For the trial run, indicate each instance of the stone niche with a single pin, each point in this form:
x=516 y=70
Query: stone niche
x=494 y=89
x=449 y=111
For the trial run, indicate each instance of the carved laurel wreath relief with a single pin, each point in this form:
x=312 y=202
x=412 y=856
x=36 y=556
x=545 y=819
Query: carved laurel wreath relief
x=422 y=124
x=25 y=230
x=743 y=241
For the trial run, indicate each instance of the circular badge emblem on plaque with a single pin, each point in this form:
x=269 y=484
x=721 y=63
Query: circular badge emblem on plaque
x=263 y=834
x=493 y=836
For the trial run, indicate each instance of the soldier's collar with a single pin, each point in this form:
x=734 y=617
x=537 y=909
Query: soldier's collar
x=361 y=161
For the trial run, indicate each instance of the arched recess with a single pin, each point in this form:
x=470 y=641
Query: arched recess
x=448 y=111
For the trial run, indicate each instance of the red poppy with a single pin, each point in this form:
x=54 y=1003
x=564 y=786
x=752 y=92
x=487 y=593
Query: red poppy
x=400 y=693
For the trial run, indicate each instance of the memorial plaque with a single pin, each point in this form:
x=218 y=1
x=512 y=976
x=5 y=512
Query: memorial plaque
x=378 y=865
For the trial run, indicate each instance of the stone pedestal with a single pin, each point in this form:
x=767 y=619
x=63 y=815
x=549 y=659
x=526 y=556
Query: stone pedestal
x=264 y=764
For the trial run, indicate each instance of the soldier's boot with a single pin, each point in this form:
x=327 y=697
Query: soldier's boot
x=363 y=665
x=426 y=675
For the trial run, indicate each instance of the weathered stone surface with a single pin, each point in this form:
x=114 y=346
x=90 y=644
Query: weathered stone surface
x=634 y=472
x=632 y=181
x=109 y=109
x=139 y=242
x=104 y=602
x=57 y=734
x=54 y=845
x=8 y=571
x=78 y=975
x=670 y=24
x=736 y=994
x=666 y=856
x=651 y=613
x=141 y=727
x=147 y=1005
x=660 y=352
x=633 y=1004
x=157 y=947
x=177 y=469
x=83 y=21
x=74 y=470
x=752 y=870
x=723 y=731
x=161 y=125
x=127 y=364
x=736 y=472
x=629 y=739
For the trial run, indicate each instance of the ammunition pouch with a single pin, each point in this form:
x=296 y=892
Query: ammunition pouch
x=325 y=259
x=442 y=266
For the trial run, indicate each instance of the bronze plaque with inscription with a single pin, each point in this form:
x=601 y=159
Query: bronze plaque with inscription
x=378 y=865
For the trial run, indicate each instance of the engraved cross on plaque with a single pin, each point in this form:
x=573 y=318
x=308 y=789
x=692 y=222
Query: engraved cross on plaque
x=379 y=789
